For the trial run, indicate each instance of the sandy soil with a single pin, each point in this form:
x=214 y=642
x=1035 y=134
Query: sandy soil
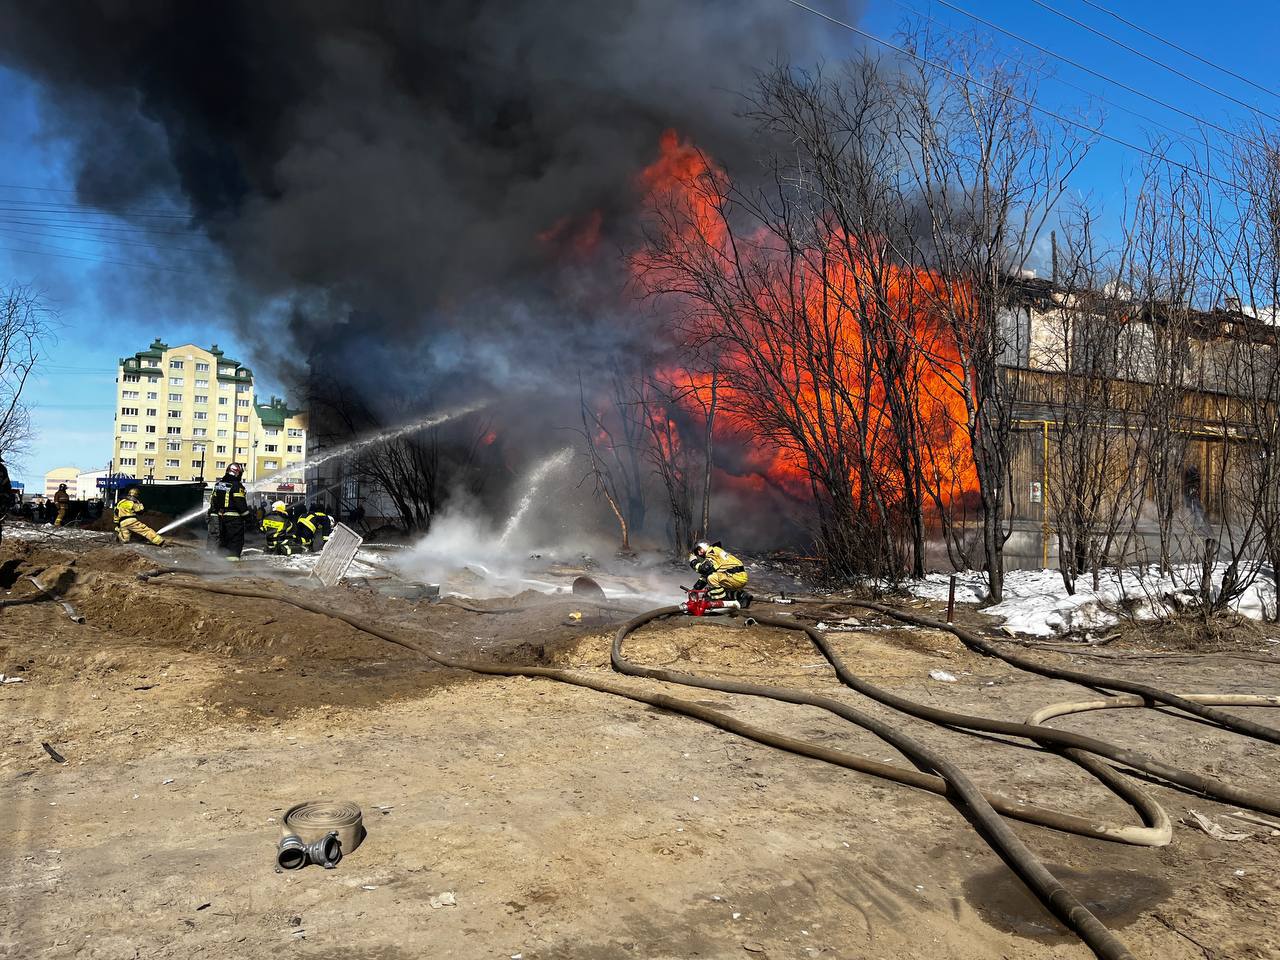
x=567 y=823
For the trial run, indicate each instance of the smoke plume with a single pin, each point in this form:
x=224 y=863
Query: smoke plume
x=400 y=174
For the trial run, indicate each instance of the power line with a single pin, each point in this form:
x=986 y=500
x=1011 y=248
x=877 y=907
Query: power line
x=118 y=263
x=24 y=220
x=1096 y=131
x=84 y=209
x=103 y=241
x=1150 y=59
x=1182 y=50
x=1080 y=66
x=1054 y=78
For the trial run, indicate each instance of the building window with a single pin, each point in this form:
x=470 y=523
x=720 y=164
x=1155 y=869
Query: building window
x=201 y=367
x=174 y=445
x=242 y=450
x=199 y=432
x=152 y=395
x=270 y=465
x=128 y=428
x=202 y=398
x=173 y=464
x=240 y=418
x=153 y=363
x=295 y=432
x=173 y=476
x=151 y=428
x=242 y=387
x=175 y=398
x=153 y=379
x=271 y=432
x=242 y=403
x=149 y=445
x=175 y=414
x=128 y=411
x=175 y=364
x=222 y=418
x=222 y=448
x=271 y=448
x=222 y=464
x=200 y=415
x=151 y=411
x=128 y=444
x=224 y=386
x=295 y=448
x=129 y=394
x=176 y=381
x=174 y=431
x=128 y=461
x=222 y=401
x=131 y=378
x=202 y=384
x=149 y=462
x=222 y=433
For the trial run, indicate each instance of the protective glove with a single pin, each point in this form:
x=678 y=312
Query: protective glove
x=707 y=567
x=700 y=584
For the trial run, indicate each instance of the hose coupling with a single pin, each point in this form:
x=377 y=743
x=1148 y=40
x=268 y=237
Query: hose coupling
x=292 y=853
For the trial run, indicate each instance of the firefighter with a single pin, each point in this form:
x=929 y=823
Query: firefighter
x=279 y=530
x=720 y=571
x=313 y=528
x=228 y=510
x=62 y=501
x=128 y=525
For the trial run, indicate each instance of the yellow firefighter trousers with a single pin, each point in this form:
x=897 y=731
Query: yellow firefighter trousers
x=722 y=583
x=131 y=527
x=62 y=515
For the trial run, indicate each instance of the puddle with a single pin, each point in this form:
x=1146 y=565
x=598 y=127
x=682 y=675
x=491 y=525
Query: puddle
x=1116 y=897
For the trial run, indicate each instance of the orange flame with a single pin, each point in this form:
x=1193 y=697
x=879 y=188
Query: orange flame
x=681 y=175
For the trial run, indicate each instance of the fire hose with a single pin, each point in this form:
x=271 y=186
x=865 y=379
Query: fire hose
x=953 y=783
x=1151 y=694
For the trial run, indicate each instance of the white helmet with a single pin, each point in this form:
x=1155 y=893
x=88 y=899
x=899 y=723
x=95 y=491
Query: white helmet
x=701 y=548
x=279 y=507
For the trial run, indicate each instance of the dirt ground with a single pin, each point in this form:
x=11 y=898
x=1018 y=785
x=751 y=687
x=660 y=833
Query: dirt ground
x=566 y=823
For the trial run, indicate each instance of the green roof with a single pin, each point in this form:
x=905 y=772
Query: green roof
x=274 y=413
x=158 y=347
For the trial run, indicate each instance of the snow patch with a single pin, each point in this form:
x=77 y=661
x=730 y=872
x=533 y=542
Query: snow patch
x=1036 y=602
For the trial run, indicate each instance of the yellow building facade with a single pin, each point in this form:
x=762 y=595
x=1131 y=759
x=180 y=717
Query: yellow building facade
x=184 y=413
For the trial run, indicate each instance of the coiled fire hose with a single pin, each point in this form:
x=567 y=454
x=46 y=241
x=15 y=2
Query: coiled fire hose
x=320 y=832
x=953 y=783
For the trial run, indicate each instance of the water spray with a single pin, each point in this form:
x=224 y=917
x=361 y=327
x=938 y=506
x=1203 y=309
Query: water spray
x=539 y=474
x=391 y=433
x=354 y=446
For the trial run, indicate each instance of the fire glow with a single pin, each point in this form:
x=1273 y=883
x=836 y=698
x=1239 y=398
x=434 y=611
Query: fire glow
x=832 y=285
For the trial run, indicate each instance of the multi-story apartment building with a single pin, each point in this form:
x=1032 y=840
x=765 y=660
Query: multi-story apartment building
x=183 y=413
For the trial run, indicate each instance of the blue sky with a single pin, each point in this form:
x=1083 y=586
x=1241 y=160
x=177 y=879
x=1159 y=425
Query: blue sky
x=112 y=298
x=102 y=279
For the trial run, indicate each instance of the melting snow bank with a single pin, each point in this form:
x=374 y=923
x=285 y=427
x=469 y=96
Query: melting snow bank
x=1036 y=602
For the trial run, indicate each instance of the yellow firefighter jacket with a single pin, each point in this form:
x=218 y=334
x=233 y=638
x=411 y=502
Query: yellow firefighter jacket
x=128 y=507
x=277 y=527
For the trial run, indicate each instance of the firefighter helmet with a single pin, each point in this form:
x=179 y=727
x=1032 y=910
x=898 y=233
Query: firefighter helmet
x=234 y=470
x=701 y=548
x=133 y=492
x=279 y=507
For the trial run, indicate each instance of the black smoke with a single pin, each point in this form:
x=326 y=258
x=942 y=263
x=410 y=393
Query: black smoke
x=422 y=203
x=387 y=168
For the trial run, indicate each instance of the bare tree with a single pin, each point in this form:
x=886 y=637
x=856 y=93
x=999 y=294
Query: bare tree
x=989 y=172
x=614 y=435
x=26 y=331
